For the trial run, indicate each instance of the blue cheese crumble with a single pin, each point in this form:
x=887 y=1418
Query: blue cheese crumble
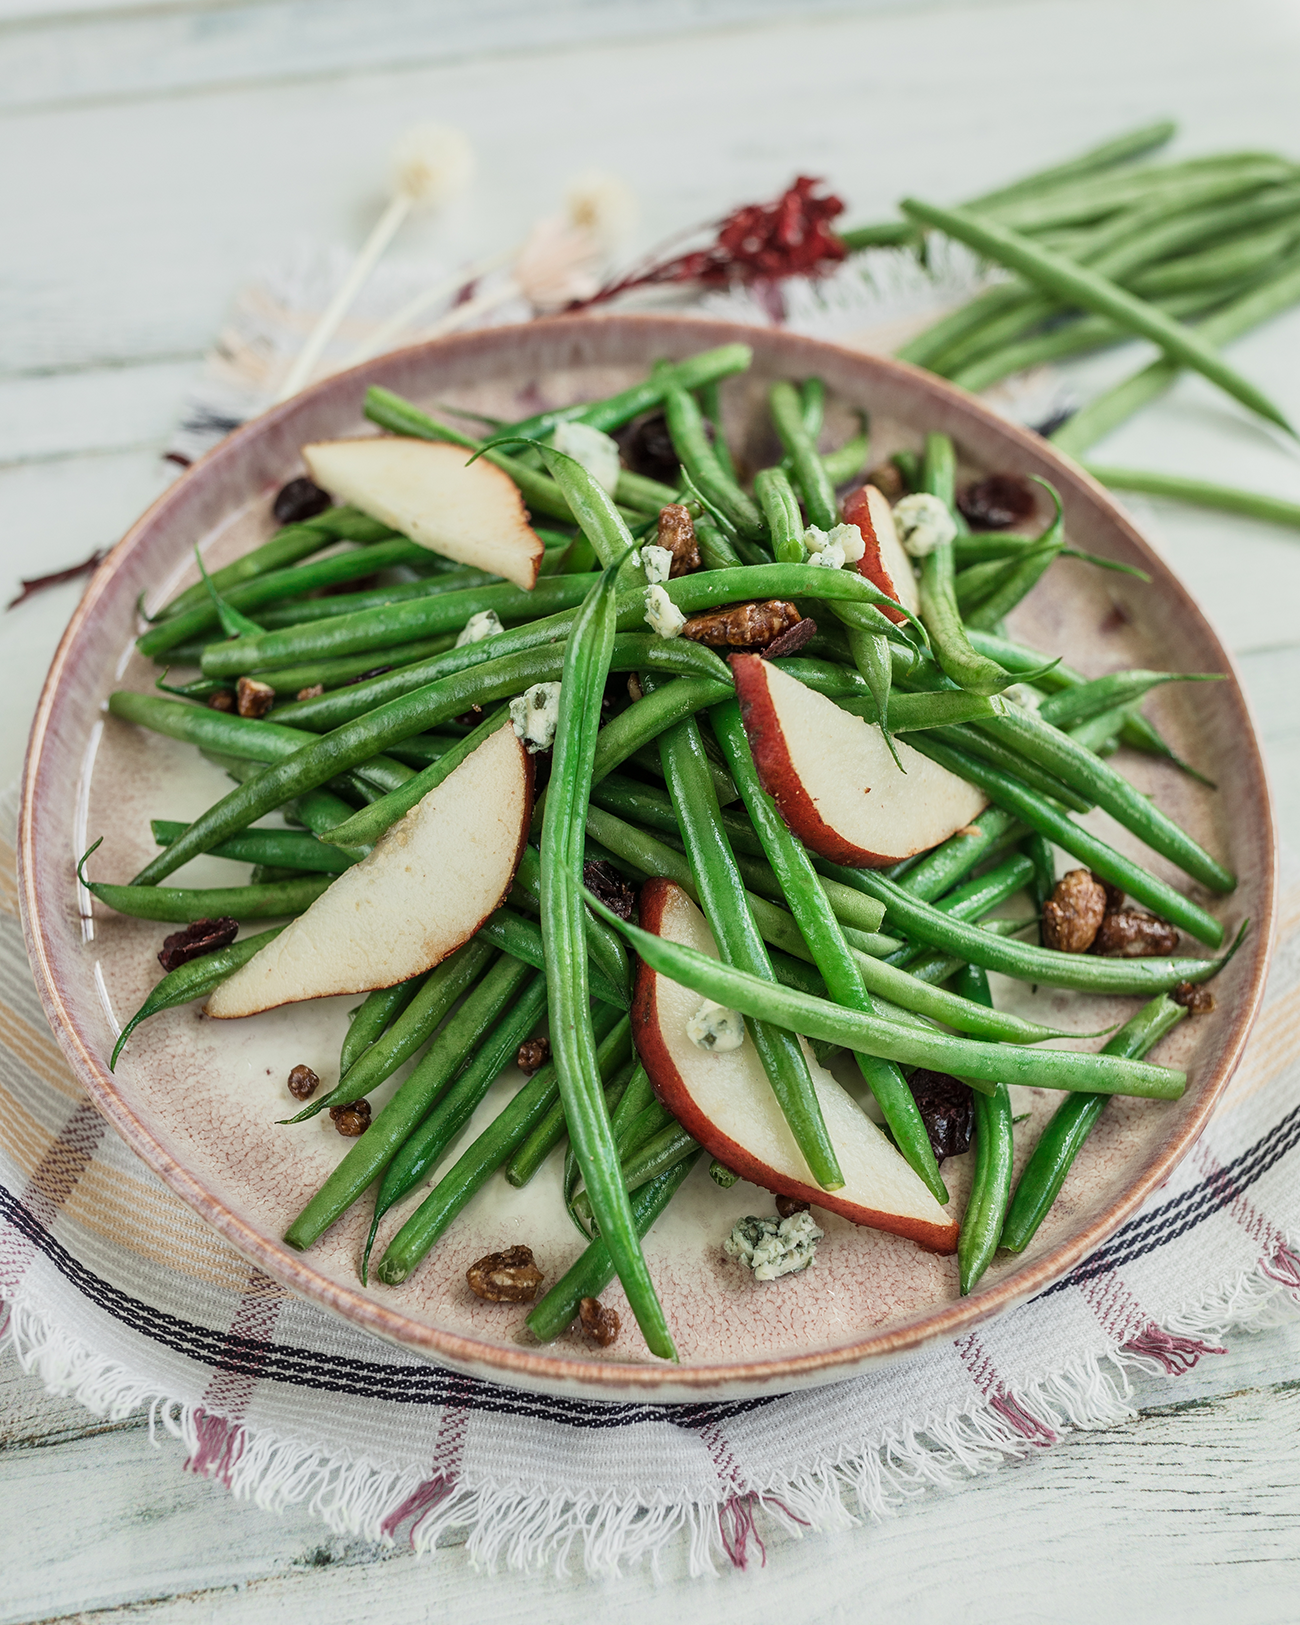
x=597 y=452
x=772 y=1247
x=714 y=1027
x=534 y=715
x=658 y=563
x=662 y=615
x=833 y=549
x=486 y=624
x=923 y=523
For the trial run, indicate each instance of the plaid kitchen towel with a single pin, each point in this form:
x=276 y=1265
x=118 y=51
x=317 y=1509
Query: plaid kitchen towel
x=118 y=1295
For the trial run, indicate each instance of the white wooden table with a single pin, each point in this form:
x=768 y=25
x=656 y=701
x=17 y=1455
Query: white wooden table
x=150 y=157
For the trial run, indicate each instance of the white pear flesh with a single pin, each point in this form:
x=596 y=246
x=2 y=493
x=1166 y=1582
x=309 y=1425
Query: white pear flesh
x=834 y=780
x=723 y=1098
x=428 y=885
x=470 y=512
x=884 y=562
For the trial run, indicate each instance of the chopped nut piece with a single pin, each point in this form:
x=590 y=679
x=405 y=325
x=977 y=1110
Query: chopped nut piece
x=888 y=481
x=786 y=1205
x=298 y=500
x=600 y=1324
x=533 y=1054
x=603 y=880
x=947 y=1109
x=352 y=1119
x=677 y=534
x=996 y=502
x=255 y=698
x=508 y=1277
x=221 y=699
x=791 y=641
x=742 y=626
x=1129 y=933
x=1072 y=915
x=1199 y=1001
x=202 y=937
x=313 y=691
x=303 y=1083
x=1114 y=896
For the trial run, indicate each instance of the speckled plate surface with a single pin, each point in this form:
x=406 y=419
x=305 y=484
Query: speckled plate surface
x=198 y=1100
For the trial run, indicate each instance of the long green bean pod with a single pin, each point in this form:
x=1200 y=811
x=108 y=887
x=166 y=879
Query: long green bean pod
x=986 y=1208
x=709 y=366
x=378 y=1010
x=542 y=1119
x=586 y=664
x=371 y=1153
x=193 y=981
x=801 y=447
x=781 y=511
x=690 y=442
x=424 y=1148
x=1072 y=1123
x=945 y=865
x=411 y=1030
x=909 y=1046
x=831 y=953
x=282 y=848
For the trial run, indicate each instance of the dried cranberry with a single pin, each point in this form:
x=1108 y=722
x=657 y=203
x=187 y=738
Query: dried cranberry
x=603 y=880
x=947 y=1110
x=203 y=937
x=996 y=502
x=300 y=499
x=647 y=448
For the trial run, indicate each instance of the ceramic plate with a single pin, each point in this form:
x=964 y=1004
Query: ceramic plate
x=198 y=1100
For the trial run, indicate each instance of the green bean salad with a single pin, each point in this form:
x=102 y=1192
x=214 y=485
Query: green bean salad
x=671 y=692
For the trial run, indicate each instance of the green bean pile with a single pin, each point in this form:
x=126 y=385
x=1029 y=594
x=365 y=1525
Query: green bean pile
x=653 y=773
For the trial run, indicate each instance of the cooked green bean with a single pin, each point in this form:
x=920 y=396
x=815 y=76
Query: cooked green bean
x=986 y=1207
x=370 y=1154
x=441 y=988
x=944 y=865
x=185 y=904
x=691 y=443
x=1072 y=1123
x=425 y=1146
x=910 y=1046
x=832 y=955
x=379 y=1009
x=1200 y=493
x=521 y=938
x=193 y=981
x=781 y=511
x=655 y=1156
x=284 y=848
x=544 y=1126
x=1120 y=688
x=1039 y=814
x=614 y=411
x=801 y=447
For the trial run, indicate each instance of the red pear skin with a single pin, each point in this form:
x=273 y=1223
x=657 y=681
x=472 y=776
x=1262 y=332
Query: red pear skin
x=662 y=907
x=884 y=564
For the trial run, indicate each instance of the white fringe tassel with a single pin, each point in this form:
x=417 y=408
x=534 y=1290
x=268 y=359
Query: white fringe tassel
x=522 y=1528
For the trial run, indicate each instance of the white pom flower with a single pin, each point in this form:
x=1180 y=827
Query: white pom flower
x=431 y=164
x=603 y=206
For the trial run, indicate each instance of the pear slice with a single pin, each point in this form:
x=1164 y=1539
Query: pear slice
x=431 y=881
x=724 y=1099
x=885 y=563
x=834 y=780
x=470 y=512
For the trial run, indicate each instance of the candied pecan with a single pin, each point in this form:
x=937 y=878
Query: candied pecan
x=1197 y=1000
x=533 y=1055
x=1072 y=915
x=313 y=691
x=647 y=448
x=888 y=480
x=203 y=937
x=221 y=699
x=742 y=626
x=508 y=1277
x=604 y=881
x=947 y=1109
x=677 y=534
x=351 y=1119
x=303 y=1083
x=300 y=499
x=600 y=1324
x=1114 y=896
x=791 y=641
x=1129 y=933
x=255 y=698
x=996 y=502
x=786 y=1205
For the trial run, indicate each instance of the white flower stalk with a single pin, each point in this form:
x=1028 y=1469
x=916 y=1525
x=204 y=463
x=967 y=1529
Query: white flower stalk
x=430 y=164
